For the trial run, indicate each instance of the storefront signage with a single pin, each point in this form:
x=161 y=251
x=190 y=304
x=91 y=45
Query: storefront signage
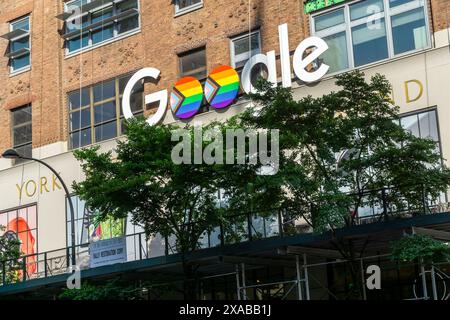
x=222 y=85
x=106 y=252
x=316 y=5
x=31 y=187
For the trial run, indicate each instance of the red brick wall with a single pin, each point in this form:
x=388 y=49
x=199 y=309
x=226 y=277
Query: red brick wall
x=162 y=37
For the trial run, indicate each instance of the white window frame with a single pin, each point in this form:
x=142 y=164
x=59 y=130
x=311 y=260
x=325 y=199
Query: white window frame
x=387 y=15
x=13 y=71
x=193 y=7
x=247 y=55
x=115 y=36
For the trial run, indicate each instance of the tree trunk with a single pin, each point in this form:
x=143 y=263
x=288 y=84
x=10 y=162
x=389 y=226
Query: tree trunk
x=190 y=283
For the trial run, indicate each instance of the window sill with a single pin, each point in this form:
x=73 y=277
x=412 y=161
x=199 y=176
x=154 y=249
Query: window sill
x=19 y=71
x=101 y=44
x=192 y=8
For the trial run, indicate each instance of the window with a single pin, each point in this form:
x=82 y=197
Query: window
x=22 y=131
x=95 y=113
x=97 y=23
x=21 y=224
x=422 y=125
x=243 y=48
x=19 y=45
x=86 y=229
x=193 y=64
x=371 y=30
x=183 y=6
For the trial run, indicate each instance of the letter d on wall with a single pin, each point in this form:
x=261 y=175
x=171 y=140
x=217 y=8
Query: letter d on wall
x=407 y=90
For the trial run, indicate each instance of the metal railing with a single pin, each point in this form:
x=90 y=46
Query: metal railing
x=240 y=228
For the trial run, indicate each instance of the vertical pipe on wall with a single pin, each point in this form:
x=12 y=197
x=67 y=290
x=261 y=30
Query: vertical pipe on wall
x=299 y=283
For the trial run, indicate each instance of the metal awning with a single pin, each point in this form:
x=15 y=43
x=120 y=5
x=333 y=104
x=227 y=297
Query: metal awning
x=14 y=34
x=87 y=7
x=17 y=53
x=125 y=14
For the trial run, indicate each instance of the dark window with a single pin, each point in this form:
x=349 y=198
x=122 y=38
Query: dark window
x=187 y=5
x=193 y=63
x=22 y=131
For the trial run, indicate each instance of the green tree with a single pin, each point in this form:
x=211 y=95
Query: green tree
x=9 y=256
x=419 y=247
x=340 y=151
x=109 y=290
x=140 y=178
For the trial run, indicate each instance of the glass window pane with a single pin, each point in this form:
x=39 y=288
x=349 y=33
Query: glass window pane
x=77 y=99
x=22 y=24
x=395 y=3
x=428 y=125
x=75 y=24
x=104 y=90
x=126 y=5
x=101 y=15
x=106 y=131
x=183 y=4
x=128 y=24
x=105 y=112
x=75 y=4
x=20 y=62
x=123 y=83
x=329 y=19
x=409 y=31
x=21 y=115
x=22 y=134
x=81 y=138
x=80 y=119
x=337 y=56
x=243 y=45
x=410 y=124
x=365 y=8
x=102 y=34
x=194 y=64
x=20 y=44
x=369 y=43
x=78 y=42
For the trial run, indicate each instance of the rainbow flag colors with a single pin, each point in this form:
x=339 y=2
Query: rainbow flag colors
x=186 y=98
x=222 y=87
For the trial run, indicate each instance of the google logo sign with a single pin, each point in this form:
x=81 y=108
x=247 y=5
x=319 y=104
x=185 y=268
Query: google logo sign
x=223 y=83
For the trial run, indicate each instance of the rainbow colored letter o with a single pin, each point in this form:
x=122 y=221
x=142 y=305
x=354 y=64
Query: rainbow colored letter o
x=222 y=87
x=186 y=98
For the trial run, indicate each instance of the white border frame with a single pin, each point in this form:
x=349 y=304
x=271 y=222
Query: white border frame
x=15 y=72
x=192 y=7
x=249 y=53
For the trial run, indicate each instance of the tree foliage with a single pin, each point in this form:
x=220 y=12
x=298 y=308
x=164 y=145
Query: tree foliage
x=413 y=247
x=340 y=150
x=9 y=255
x=109 y=290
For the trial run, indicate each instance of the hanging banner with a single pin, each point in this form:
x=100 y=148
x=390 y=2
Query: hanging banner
x=107 y=252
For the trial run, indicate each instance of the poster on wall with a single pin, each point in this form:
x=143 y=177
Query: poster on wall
x=106 y=252
x=21 y=224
